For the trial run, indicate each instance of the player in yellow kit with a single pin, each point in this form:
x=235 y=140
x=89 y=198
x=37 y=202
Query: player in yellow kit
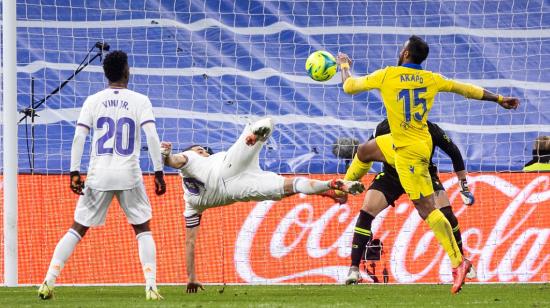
x=408 y=94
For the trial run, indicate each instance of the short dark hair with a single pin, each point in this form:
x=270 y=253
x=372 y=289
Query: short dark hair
x=114 y=65
x=207 y=149
x=418 y=49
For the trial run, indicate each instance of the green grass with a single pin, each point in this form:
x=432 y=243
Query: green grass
x=365 y=295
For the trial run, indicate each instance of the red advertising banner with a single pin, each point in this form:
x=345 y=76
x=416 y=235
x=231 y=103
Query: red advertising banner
x=300 y=239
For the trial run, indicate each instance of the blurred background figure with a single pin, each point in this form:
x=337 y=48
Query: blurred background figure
x=541 y=155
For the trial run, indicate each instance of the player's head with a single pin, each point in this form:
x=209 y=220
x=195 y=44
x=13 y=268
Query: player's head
x=199 y=149
x=415 y=50
x=115 y=66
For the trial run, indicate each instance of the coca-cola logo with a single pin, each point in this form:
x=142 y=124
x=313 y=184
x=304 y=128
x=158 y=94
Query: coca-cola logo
x=506 y=235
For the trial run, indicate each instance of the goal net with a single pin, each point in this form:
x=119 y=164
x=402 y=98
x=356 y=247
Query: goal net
x=211 y=66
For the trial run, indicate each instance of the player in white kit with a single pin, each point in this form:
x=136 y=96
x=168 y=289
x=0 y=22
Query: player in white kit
x=233 y=176
x=116 y=116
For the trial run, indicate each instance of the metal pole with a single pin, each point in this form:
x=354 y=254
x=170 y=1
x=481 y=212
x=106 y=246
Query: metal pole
x=9 y=114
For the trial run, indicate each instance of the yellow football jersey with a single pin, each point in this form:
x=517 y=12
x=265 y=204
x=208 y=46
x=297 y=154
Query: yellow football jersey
x=408 y=94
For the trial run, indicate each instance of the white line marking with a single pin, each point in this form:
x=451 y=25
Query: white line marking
x=49 y=116
x=260 y=74
x=278 y=27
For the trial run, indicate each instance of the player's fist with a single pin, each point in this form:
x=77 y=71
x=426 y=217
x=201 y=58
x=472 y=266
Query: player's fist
x=160 y=184
x=343 y=58
x=510 y=102
x=466 y=194
x=165 y=148
x=193 y=287
x=77 y=185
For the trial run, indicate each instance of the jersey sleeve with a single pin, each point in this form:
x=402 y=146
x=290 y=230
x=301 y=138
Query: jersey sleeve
x=441 y=140
x=374 y=80
x=461 y=88
x=146 y=115
x=85 y=118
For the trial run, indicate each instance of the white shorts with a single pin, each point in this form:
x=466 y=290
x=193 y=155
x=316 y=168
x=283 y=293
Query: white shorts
x=92 y=207
x=257 y=185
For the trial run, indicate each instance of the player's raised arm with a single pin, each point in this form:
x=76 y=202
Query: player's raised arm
x=82 y=129
x=76 y=157
x=193 y=285
x=445 y=143
x=176 y=161
x=353 y=85
x=153 y=143
x=476 y=92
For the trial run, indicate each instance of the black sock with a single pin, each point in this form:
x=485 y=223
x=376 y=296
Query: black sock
x=361 y=236
x=448 y=212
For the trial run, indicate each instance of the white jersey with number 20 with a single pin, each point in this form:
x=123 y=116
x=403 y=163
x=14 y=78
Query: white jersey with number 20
x=116 y=117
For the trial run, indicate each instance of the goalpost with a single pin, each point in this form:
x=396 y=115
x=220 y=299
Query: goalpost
x=9 y=138
x=209 y=67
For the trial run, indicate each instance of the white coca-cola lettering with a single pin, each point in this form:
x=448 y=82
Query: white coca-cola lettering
x=501 y=232
x=311 y=231
x=398 y=264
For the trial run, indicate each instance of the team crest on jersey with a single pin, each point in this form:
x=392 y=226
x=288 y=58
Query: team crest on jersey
x=192 y=185
x=411 y=169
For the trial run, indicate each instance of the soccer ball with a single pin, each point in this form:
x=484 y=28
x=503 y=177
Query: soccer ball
x=321 y=65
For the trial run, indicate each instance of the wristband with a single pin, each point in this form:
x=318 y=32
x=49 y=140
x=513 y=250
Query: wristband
x=500 y=99
x=344 y=66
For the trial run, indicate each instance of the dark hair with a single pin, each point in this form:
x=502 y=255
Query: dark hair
x=418 y=49
x=207 y=149
x=114 y=65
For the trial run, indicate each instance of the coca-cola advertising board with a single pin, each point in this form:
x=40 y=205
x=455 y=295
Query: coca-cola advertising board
x=301 y=239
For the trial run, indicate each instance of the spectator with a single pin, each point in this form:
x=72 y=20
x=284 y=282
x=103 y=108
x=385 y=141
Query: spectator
x=541 y=155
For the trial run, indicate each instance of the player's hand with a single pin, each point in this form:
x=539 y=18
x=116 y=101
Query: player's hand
x=343 y=58
x=466 y=194
x=77 y=185
x=160 y=185
x=193 y=287
x=510 y=103
x=165 y=148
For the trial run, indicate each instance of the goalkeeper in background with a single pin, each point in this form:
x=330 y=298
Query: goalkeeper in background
x=117 y=115
x=408 y=93
x=213 y=180
x=385 y=189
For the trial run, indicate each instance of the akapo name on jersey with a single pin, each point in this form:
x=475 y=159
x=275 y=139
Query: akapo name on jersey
x=412 y=78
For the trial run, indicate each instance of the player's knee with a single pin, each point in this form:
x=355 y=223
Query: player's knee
x=80 y=229
x=363 y=152
x=423 y=207
x=448 y=212
x=144 y=227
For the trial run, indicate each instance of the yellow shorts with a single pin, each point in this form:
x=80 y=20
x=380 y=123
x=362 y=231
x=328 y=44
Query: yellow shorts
x=385 y=143
x=411 y=163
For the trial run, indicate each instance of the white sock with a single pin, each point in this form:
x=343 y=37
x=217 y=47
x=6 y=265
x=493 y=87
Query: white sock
x=310 y=187
x=61 y=254
x=148 y=258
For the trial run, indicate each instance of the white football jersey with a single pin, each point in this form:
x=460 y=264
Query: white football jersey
x=202 y=184
x=116 y=117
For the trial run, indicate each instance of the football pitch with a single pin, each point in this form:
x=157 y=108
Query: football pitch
x=365 y=295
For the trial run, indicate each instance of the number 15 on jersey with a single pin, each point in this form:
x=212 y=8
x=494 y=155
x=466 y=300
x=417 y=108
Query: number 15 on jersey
x=408 y=96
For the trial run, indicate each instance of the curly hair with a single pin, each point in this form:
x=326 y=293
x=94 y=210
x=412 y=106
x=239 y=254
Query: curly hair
x=114 y=65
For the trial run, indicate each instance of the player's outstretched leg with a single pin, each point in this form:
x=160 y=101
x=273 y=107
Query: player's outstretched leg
x=350 y=187
x=259 y=131
x=314 y=187
x=61 y=254
x=244 y=153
